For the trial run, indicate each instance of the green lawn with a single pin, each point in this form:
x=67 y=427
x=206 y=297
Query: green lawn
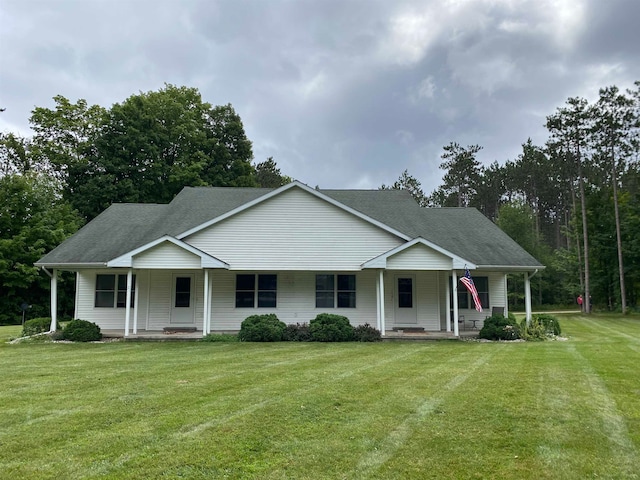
x=448 y=409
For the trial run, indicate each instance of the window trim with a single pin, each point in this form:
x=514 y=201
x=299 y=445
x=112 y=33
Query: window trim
x=256 y=290
x=337 y=291
x=464 y=293
x=116 y=291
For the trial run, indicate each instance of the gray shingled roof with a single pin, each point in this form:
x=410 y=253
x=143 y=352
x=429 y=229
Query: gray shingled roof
x=124 y=227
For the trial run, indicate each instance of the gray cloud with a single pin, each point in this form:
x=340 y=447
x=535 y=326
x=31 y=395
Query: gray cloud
x=340 y=93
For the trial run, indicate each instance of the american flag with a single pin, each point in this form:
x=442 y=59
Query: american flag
x=468 y=282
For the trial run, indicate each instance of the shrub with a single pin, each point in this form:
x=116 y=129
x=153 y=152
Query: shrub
x=328 y=327
x=498 y=327
x=261 y=328
x=298 y=332
x=366 y=333
x=219 y=337
x=36 y=325
x=550 y=323
x=540 y=328
x=533 y=331
x=81 y=331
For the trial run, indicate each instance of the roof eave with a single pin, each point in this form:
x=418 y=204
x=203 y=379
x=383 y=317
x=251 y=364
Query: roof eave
x=511 y=268
x=70 y=266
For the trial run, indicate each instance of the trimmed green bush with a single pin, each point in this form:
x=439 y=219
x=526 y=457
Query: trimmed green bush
x=499 y=327
x=328 y=327
x=366 y=333
x=220 y=337
x=36 y=325
x=261 y=328
x=298 y=332
x=81 y=331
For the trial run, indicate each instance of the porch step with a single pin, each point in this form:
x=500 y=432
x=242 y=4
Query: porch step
x=179 y=329
x=408 y=329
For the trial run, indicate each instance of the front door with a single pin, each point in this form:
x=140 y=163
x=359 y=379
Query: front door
x=182 y=302
x=405 y=307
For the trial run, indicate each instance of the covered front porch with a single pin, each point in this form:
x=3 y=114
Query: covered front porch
x=400 y=303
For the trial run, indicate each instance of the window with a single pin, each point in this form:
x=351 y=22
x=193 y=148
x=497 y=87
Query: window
x=482 y=286
x=111 y=291
x=405 y=292
x=183 y=292
x=464 y=297
x=325 y=291
x=260 y=290
x=335 y=291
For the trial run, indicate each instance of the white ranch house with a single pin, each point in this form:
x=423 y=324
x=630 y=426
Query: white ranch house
x=214 y=256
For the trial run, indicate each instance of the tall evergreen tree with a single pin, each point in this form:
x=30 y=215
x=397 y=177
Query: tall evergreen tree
x=569 y=128
x=462 y=176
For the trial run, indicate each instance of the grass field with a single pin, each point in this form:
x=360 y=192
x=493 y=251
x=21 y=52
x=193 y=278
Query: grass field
x=448 y=409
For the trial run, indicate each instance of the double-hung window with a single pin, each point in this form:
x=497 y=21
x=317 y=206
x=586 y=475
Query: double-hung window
x=111 y=291
x=335 y=291
x=464 y=297
x=260 y=290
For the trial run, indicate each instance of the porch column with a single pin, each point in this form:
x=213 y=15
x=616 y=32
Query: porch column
x=54 y=300
x=382 y=323
x=205 y=315
x=527 y=297
x=454 y=281
x=378 y=302
x=127 y=310
x=135 y=305
x=448 y=310
x=506 y=297
x=209 y=295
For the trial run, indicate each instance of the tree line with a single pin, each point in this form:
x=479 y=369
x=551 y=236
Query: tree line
x=573 y=203
x=81 y=158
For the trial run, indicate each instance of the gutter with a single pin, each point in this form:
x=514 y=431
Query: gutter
x=509 y=268
x=71 y=266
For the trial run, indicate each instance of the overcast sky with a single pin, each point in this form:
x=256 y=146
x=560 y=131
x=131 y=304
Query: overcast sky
x=342 y=93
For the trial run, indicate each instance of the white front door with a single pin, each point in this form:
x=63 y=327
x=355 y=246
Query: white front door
x=182 y=302
x=405 y=307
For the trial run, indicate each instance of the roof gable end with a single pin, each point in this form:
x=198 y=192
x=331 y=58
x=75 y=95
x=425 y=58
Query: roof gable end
x=381 y=260
x=279 y=191
x=207 y=261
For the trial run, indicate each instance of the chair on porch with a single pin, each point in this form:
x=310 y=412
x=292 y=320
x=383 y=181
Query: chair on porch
x=460 y=320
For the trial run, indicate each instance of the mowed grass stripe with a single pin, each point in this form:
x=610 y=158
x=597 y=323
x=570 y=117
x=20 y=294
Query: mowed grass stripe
x=306 y=387
x=613 y=330
x=612 y=422
x=274 y=411
x=372 y=461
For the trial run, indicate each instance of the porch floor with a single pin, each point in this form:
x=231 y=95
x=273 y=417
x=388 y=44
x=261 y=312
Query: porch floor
x=160 y=336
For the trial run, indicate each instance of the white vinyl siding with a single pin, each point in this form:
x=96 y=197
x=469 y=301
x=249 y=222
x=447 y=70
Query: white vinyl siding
x=294 y=231
x=497 y=296
x=296 y=300
x=107 y=318
x=419 y=257
x=161 y=298
x=426 y=299
x=166 y=255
